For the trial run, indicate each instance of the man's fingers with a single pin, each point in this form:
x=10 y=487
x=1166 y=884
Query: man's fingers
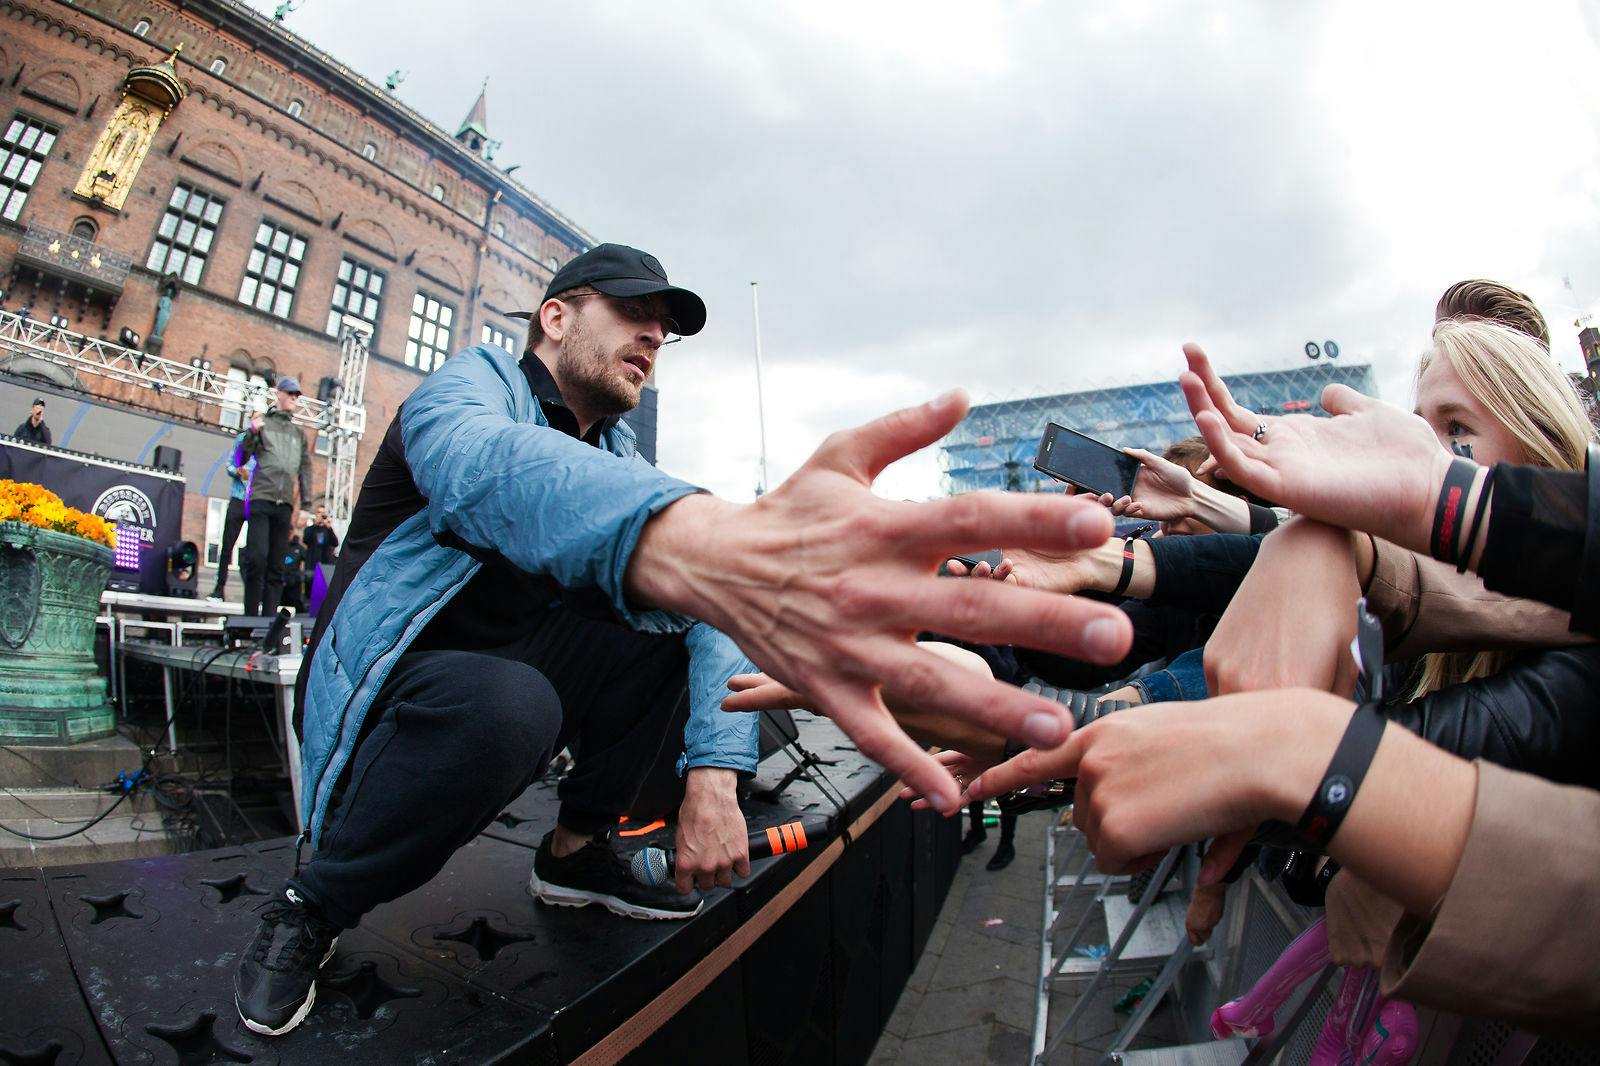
x=1003 y=571
x=990 y=612
x=956 y=568
x=983 y=569
x=916 y=677
x=1029 y=768
x=977 y=521
x=740 y=682
x=860 y=712
x=741 y=866
x=864 y=451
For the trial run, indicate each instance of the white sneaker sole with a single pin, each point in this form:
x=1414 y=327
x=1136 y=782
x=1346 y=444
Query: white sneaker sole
x=299 y=1015
x=561 y=896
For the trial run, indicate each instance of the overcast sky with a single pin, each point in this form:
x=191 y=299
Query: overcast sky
x=1024 y=198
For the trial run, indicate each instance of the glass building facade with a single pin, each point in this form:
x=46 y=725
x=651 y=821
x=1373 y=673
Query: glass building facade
x=993 y=448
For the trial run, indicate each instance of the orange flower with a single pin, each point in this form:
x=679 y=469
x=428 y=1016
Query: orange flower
x=22 y=501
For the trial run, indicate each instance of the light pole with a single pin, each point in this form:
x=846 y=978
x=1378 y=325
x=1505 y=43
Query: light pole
x=761 y=412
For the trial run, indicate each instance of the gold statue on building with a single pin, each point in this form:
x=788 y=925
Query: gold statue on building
x=149 y=93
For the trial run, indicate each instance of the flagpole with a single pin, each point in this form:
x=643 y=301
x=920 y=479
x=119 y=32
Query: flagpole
x=761 y=412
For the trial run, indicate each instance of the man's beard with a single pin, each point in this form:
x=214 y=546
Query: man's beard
x=592 y=380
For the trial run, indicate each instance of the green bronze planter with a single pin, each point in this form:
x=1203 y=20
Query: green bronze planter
x=51 y=691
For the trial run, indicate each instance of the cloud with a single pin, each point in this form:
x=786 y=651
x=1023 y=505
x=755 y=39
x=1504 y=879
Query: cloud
x=1025 y=198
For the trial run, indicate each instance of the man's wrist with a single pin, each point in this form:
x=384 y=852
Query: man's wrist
x=714 y=778
x=677 y=552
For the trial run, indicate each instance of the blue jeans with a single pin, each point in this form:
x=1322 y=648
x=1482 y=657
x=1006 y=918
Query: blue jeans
x=1183 y=679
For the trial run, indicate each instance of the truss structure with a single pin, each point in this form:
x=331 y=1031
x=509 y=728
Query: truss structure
x=343 y=419
x=994 y=447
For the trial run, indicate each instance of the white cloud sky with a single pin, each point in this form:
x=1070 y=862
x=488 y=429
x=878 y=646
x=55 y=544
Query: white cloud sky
x=1023 y=198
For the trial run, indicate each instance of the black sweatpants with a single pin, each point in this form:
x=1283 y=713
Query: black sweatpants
x=453 y=736
x=264 y=546
x=232 y=523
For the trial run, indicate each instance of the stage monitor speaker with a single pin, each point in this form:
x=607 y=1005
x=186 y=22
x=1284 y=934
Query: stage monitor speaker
x=777 y=729
x=169 y=459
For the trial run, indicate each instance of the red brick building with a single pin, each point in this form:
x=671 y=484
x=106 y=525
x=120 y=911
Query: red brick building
x=283 y=194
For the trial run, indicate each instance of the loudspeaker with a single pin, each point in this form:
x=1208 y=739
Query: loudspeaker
x=169 y=459
x=777 y=729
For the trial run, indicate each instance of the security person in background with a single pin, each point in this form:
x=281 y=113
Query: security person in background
x=283 y=460
x=33 y=428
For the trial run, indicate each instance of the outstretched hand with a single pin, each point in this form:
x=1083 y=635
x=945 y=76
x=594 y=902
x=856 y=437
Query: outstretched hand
x=825 y=586
x=1174 y=773
x=1370 y=467
x=1163 y=490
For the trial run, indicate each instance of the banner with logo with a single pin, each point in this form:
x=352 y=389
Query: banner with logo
x=135 y=498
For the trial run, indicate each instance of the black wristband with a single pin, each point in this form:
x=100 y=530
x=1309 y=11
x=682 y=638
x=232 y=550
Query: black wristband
x=1445 y=542
x=1477 y=522
x=1127 y=567
x=1344 y=775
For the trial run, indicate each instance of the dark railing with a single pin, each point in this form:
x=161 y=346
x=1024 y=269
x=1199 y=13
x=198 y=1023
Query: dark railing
x=75 y=258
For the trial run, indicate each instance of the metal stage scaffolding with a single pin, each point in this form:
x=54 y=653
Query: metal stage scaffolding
x=343 y=418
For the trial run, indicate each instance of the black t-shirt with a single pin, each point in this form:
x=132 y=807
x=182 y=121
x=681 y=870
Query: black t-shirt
x=500 y=601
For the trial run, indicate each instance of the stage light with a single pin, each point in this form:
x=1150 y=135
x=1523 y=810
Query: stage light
x=183 y=564
x=128 y=546
x=129 y=338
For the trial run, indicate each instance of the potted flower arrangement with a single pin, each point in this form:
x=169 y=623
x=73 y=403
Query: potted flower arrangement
x=54 y=563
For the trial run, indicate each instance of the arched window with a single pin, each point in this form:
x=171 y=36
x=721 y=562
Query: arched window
x=500 y=230
x=295 y=108
x=85 y=228
x=438 y=192
x=219 y=65
x=141 y=27
x=370 y=151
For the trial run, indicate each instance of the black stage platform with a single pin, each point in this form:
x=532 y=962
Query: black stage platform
x=132 y=962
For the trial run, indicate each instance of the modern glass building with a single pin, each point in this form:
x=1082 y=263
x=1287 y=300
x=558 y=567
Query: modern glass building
x=994 y=447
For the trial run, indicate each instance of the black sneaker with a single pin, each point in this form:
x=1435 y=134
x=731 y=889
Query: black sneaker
x=598 y=873
x=975 y=836
x=276 y=982
x=1002 y=856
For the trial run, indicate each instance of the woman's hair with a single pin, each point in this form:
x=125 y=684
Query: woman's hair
x=1518 y=383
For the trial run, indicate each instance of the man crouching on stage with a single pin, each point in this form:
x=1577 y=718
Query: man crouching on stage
x=450 y=674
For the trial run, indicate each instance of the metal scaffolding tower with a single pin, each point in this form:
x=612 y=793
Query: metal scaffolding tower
x=343 y=418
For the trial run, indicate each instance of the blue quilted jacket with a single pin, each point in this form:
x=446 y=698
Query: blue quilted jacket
x=495 y=475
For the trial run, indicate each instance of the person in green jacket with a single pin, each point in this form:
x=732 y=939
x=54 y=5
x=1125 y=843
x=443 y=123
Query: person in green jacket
x=283 y=463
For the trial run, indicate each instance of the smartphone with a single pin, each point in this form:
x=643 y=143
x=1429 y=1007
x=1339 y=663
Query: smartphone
x=1082 y=461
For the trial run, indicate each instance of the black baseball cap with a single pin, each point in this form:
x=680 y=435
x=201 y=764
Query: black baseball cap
x=617 y=270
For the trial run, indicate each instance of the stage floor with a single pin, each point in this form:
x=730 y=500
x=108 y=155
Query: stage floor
x=132 y=962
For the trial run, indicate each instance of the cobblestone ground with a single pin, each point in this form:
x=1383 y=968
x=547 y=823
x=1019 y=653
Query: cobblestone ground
x=971 y=998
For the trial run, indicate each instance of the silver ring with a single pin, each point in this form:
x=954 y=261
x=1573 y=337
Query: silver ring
x=1261 y=431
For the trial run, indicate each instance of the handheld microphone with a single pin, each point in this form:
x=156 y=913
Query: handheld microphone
x=654 y=866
